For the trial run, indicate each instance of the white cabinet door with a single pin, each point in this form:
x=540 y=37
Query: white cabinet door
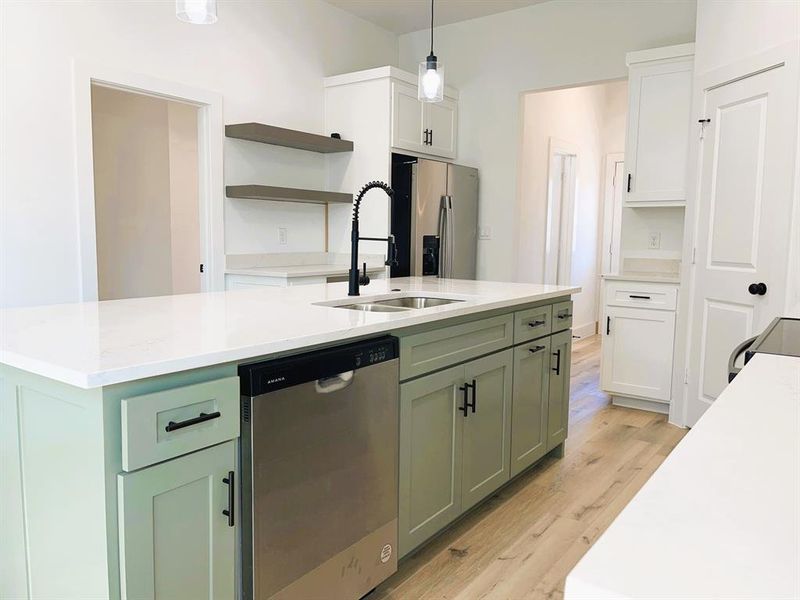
x=175 y=542
x=441 y=121
x=659 y=106
x=637 y=352
x=407 y=117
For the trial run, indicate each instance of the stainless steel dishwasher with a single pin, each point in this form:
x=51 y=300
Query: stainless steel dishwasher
x=319 y=472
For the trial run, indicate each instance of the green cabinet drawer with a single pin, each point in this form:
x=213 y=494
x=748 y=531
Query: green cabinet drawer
x=562 y=316
x=166 y=424
x=532 y=323
x=529 y=404
x=428 y=351
x=558 y=388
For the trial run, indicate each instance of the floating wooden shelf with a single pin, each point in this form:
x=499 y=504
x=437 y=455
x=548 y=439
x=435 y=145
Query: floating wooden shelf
x=289 y=138
x=283 y=194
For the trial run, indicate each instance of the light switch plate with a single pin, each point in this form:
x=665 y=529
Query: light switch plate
x=654 y=240
x=485 y=232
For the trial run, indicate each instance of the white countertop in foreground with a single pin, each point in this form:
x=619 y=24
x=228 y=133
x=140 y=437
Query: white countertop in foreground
x=720 y=518
x=101 y=343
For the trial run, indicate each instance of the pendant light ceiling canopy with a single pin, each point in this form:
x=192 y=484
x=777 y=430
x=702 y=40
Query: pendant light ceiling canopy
x=196 y=12
x=430 y=87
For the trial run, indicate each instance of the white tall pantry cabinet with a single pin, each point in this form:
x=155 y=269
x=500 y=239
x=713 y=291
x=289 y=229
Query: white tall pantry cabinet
x=640 y=304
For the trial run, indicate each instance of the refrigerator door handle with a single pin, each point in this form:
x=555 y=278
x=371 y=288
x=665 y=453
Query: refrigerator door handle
x=446 y=237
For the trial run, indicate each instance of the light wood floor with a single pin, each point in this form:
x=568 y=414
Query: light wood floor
x=523 y=541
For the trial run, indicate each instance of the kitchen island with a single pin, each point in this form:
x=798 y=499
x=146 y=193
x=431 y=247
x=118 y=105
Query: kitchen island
x=106 y=492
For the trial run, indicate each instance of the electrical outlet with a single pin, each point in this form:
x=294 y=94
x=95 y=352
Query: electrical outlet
x=654 y=240
x=485 y=232
x=283 y=236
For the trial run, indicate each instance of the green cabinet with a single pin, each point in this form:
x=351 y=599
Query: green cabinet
x=487 y=428
x=529 y=404
x=454 y=443
x=175 y=542
x=558 y=388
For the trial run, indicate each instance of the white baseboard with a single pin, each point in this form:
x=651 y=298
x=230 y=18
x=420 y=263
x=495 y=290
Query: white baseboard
x=640 y=404
x=583 y=331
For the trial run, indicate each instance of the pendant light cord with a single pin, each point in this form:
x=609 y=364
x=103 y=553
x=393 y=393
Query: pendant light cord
x=431 y=26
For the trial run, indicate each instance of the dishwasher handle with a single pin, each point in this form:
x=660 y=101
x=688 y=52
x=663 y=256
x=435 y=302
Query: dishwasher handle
x=328 y=385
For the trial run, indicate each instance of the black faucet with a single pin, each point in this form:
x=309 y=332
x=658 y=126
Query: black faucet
x=355 y=278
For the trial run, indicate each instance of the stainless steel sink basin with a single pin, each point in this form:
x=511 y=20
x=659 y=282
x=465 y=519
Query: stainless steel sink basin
x=371 y=307
x=416 y=302
x=398 y=304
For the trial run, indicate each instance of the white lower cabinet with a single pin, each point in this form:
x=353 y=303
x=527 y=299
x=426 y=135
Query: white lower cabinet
x=175 y=542
x=637 y=352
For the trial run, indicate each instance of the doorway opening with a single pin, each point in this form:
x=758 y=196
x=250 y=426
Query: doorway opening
x=567 y=135
x=147 y=213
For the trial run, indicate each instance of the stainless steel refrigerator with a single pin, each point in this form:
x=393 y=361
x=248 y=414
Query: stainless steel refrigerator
x=434 y=218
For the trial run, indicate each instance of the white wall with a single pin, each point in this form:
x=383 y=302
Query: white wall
x=267 y=59
x=553 y=44
x=591 y=118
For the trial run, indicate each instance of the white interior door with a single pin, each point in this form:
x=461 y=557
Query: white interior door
x=612 y=214
x=743 y=222
x=560 y=219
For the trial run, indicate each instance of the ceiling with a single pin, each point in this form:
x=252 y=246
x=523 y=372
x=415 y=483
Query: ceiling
x=404 y=16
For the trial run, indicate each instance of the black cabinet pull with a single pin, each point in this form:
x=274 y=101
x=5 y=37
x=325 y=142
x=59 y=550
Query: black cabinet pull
x=629 y=182
x=474 y=386
x=535 y=349
x=201 y=418
x=430 y=138
x=535 y=323
x=608 y=325
x=464 y=400
x=565 y=316
x=638 y=297
x=228 y=512
x=557 y=354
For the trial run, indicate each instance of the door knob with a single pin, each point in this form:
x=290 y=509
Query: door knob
x=757 y=289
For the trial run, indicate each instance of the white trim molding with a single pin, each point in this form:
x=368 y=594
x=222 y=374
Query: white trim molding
x=210 y=138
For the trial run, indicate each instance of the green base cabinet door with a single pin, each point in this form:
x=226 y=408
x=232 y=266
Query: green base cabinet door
x=487 y=427
x=175 y=541
x=529 y=404
x=431 y=428
x=558 y=388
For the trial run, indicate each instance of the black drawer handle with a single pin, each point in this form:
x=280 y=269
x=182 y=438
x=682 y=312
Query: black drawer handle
x=535 y=349
x=608 y=325
x=557 y=354
x=228 y=512
x=638 y=297
x=533 y=324
x=565 y=316
x=464 y=389
x=202 y=418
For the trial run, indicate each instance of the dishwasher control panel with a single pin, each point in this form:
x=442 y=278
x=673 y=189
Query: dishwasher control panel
x=269 y=376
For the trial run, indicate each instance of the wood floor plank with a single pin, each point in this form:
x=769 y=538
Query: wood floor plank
x=523 y=541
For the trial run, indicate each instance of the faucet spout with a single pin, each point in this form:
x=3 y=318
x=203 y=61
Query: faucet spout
x=354 y=277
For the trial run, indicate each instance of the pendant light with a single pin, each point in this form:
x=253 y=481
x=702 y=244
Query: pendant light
x=430 y=87
x=196 y=12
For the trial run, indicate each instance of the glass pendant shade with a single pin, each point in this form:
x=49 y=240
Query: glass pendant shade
x=196 y=12
x=430 y=87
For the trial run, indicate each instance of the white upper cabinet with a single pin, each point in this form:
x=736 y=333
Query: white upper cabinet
x=423 y=127
x=659 y=111
x=441 y=121
x=407 y=118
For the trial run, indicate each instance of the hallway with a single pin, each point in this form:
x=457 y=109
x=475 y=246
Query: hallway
x=523 y=540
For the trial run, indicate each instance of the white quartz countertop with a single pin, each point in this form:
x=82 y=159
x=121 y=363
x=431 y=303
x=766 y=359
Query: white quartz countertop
x=720 y=518
x=289 y=271
x=101 y=343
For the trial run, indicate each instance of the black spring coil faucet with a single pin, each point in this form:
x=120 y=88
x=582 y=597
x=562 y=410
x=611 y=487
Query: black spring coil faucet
x=354 y=277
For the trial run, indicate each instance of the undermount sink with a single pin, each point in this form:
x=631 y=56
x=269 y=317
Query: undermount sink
x=416 y=302
x=398 y=304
